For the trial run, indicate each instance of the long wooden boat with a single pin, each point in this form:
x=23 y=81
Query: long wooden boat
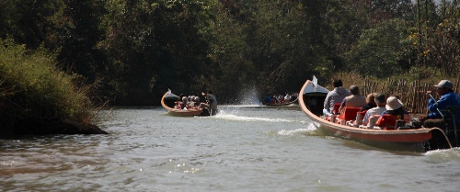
x=168 y=101
x=311 y=100
x=291 y=104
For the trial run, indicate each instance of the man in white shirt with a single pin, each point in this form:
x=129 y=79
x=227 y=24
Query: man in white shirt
x=381 y=102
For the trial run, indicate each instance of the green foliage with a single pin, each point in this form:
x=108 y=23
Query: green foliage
x=136 y=50
x=31 y=86
x=156 y=45
x=382 y=51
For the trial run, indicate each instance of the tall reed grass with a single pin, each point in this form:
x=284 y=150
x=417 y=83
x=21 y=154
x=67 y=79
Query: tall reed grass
x=413 y=93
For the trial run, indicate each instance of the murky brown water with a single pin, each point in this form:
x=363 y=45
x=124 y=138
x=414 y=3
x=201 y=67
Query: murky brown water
x=246 y=148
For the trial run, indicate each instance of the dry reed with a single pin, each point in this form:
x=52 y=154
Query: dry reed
x=413 y=94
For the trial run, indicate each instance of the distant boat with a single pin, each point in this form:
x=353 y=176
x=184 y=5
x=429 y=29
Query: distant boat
x=168 y=101
x=311 y=99
x=285 y=104
x=292 y=103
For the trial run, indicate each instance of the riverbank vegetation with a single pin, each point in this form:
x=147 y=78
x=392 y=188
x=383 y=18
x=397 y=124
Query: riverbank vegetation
x=35 y=98
x=133 y=51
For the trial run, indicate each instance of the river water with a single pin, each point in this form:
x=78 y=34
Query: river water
x=244 y=148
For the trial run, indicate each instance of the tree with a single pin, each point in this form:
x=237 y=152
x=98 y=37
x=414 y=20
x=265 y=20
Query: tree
x=154 y=46
x=382 y=51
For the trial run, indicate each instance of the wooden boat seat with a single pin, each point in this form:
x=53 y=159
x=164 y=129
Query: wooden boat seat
x=349 y=113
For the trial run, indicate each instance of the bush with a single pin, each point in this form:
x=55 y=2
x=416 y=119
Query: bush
x=32 y=88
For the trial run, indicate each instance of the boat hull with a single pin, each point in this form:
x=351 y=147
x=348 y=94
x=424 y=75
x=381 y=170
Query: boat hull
x=168 y=100
x=291 y=104
x=379 y=138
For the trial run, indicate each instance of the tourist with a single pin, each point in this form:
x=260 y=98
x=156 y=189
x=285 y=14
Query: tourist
x=335 y=96
x=184 y=102
x=378 y=110
x=370 y=102
x=287 y=97
x=394 y=112
x=353 y=100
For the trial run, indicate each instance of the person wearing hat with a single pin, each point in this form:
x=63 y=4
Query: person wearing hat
x=380 y=100
x=444 y=89
x=335 y=96
x=394 y=111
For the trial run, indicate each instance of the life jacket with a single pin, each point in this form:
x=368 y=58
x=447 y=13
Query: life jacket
x=388 y=121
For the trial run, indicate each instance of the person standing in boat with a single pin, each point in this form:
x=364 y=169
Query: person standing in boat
x=211 y=102
x=448 y=97
x=353 y=100
x=335 y=96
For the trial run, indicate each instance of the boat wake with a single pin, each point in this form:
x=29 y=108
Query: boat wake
x=445 y=155
x=242 y=106
x=310 y=130
x=234 y=117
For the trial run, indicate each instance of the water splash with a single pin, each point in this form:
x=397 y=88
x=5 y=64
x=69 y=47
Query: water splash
x=309 y=130
x=249 y=97
x=440 y=156
x=234 y=117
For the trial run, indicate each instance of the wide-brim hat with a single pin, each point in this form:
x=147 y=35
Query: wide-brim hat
x=393 y=103
x=445 y=84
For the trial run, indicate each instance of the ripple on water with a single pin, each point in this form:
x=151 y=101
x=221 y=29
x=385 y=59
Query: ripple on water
x=242 y=149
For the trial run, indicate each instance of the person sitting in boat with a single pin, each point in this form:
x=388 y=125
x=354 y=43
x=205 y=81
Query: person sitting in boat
x=184 y=103
x=335 y=96
x=196 y=101
x=287 y=97
x=370 y=102
x=378 y=110
x=267 y=99
x=448 y=97
x=280 y=98
x=190 y=102
x=353 y=100
x=178 y=104
x=394 y=112
x=275 y=99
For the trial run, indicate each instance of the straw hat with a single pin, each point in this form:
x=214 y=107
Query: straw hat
x=393 y=103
